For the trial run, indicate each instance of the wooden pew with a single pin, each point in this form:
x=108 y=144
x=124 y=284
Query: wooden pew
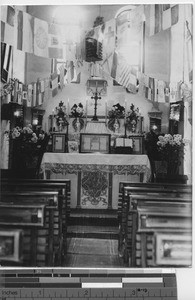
x=50 y=231
x=28 y=218
x=16 y=184
x=63 y=186
x=11 y=241
x=126 y=188
x=123 y=184
x=164 y=206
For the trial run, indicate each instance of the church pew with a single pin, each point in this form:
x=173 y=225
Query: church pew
x=126 y=188
x=16 y=184
x=11 y=241
x=123 y=184
x=53 y=222
x=61 y=185
x=162 y=206
x=28 y=218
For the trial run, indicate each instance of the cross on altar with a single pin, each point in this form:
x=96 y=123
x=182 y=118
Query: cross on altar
x=95 y=97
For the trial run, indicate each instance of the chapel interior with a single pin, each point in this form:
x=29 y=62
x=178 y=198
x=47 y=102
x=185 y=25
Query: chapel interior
x=96 y=135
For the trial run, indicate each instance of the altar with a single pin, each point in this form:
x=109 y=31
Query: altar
x=95 y=177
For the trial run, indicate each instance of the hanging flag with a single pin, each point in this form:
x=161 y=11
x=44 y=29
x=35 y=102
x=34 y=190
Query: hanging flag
x=54 y=84
x=55 y=46
x=20 y=90
x=173 y=91
x=77 y=77
x=161 y=91
x=24 y=92
x=7 y=24
x=162 y=17
x=29 y=95
x=25 y=32
x=42 y=86
x=141 y=78
x=151 y=87
x=188 y=72
x=41 y=38
x=170 y=16
x=34 y=94
x=155 y=90
x=108 y=45
x=114 y=65
x=6 y=53
x=167 y=92
x=124 y=74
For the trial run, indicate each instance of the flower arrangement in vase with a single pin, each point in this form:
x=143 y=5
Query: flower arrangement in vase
x=132 y=118
x=61 y=116
x=77 y=112
x=117 y=111
x=171 y=149
x=28 y=145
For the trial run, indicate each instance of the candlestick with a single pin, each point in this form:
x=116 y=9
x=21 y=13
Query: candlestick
x=86 y=108
x=68 y=108
x=125 y=109
x=106 y=110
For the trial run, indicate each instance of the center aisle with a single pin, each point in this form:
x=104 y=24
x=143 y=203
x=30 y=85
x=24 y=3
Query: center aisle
x=93 y=240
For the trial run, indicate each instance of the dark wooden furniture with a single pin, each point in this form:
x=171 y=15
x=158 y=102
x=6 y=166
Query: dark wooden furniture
x=58 y=216
x=128 y=225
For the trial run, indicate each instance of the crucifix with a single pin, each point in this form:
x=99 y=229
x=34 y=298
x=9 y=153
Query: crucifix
x=95 y=97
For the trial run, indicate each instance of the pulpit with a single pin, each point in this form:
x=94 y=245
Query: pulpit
x=95 y=177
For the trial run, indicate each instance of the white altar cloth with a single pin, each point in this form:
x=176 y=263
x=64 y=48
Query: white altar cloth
x=117 y=167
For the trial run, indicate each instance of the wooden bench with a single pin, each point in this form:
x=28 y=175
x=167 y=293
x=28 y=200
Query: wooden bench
x=17 y=184
x=127 y=188
x=50 y=231
x=164 y=207
x=63 y=186
x=11 y=241
x=28 y=218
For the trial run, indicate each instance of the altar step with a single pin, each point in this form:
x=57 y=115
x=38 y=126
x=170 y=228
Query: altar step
x=94 y=224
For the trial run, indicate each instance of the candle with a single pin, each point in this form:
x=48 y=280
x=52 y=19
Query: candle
x=106 y=110
x=68 y=107
x=125 y=109
x=86 y=107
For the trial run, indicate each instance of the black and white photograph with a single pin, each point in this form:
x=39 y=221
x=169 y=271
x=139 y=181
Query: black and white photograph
x=96 y=135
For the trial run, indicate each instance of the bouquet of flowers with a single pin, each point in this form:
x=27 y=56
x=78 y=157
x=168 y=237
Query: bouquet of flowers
x=171 y=149
x=60 y=116
x=116 y=112
x=77 y=111
x=27 y=144
x=132 y=117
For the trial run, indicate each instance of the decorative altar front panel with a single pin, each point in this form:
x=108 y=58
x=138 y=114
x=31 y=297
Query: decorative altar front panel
x=95 y=177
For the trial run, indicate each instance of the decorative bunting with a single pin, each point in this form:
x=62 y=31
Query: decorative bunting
x=29 y=95
x=108 y=45
x=25 y=32
x=162 y=17
x=54 y=84
x=161 y=91
x=7 y=24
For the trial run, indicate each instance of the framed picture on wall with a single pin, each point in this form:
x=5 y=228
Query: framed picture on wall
x=92 y=143
x=137 y=144
x=59 y=142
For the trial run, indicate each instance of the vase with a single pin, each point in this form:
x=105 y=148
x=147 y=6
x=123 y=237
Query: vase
x=172 y=169
x=114 y=125
x=78 y=124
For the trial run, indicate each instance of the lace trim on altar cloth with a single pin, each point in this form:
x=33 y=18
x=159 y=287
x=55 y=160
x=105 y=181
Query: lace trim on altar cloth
x=115 y=169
